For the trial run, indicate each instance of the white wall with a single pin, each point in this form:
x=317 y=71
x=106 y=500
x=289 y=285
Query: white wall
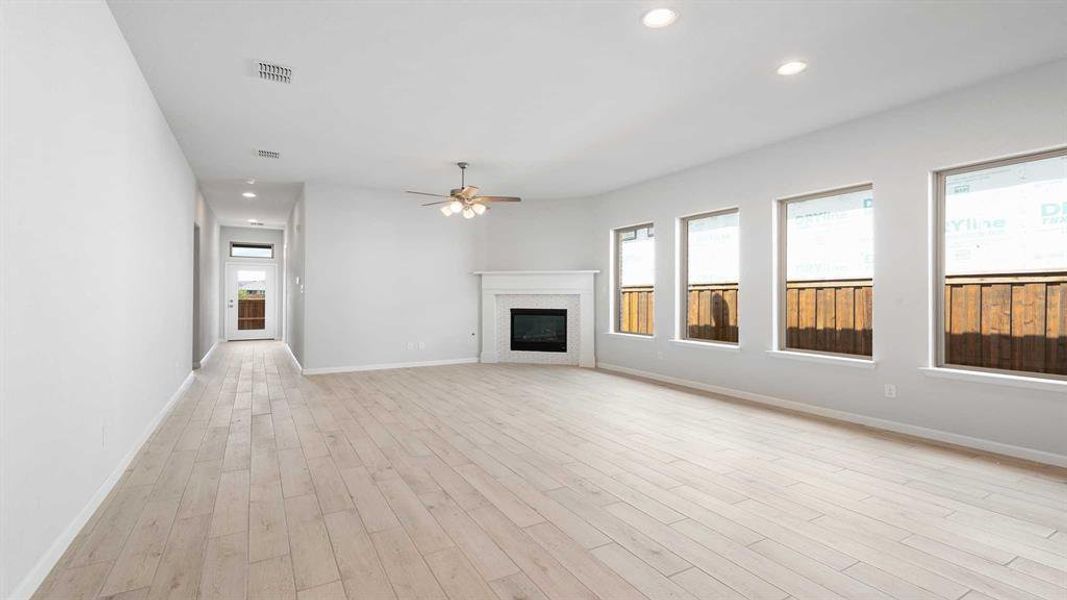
x=97 y=213
x=543 y=235
x=383 y=272
x=206 y=309
x=897 y=151
x=295 y=241
x=258 y=235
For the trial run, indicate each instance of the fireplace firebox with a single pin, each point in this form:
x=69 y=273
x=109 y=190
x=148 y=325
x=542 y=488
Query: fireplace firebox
x=539 y=329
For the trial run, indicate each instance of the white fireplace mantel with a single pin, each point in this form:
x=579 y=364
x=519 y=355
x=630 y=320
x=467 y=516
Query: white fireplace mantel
x=535 y=283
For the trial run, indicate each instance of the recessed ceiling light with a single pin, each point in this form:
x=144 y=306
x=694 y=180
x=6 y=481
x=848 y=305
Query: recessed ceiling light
x=659 y=17
x=250 y=181
x=792 y=67
x=249 y=194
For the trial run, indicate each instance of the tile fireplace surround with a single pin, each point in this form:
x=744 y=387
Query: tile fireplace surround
x=571 y=290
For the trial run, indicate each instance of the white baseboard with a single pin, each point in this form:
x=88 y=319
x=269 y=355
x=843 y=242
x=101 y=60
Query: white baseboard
x=44 y=565
x=936 y=435
x=207 y=356
x=425 y=363
x=292 y=357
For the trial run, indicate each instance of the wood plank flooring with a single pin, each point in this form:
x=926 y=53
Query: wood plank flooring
x=519 y=481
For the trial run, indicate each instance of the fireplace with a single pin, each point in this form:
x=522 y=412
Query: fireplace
x=539 y=329
x=570 y=294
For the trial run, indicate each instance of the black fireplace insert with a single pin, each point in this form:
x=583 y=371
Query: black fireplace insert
x=539 y=329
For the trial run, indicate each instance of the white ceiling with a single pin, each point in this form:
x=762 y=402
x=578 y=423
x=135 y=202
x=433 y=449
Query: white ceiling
x=271 y=206
x=545 y=99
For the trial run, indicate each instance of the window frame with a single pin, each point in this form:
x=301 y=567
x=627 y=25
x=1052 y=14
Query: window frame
x=938 y=181
x=260 y=245
x=781 y=269
x=682 y=306
x=616 y=274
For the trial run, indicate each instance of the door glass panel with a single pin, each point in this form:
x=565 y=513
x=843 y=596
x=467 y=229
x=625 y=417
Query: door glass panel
x=251 y=300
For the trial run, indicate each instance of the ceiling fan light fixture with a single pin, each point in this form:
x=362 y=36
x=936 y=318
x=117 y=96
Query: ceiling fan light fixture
x=465 y=199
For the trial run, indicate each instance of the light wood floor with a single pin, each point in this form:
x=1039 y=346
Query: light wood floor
x=475 y=481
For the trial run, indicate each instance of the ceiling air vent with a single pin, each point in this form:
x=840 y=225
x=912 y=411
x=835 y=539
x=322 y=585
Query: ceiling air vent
x=275 y=73
x=268 y=154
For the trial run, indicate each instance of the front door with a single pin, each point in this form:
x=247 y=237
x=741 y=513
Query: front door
x=250 y=301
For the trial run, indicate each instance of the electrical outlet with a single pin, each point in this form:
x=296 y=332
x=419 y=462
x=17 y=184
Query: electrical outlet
x=890 y=390
x=659 y=355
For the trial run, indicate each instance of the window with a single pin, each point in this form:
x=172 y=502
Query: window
x=1003 y=264
x=710 y=274
x=828 y=255
x=251 y=250
x=635 y=274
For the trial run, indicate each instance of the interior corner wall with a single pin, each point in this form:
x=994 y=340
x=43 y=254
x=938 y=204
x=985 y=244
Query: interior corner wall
x=95 y=273
x=207 y=329
x=295 y=243
x=896 y=150
x=387 y=281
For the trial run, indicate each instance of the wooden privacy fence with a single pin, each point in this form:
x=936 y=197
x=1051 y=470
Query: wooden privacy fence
x=1016 y=322
x=251 y=313
x=712 y=312
x=636 y=310
x=829 y=316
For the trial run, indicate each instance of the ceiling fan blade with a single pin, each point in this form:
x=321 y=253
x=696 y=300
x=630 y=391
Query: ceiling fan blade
x=426 y=194
x=435 y=203
x=468 y=192
x=497 y=199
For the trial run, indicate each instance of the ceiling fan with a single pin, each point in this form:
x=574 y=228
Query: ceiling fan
x=465 y=198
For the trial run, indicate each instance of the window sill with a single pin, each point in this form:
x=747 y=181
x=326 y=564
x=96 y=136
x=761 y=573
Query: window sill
x=635 y=336
x=721 y=346
x=826 y=359
x=1021 y=381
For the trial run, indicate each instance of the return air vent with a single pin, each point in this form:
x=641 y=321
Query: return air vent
x=275 y=73
x=268 y=154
